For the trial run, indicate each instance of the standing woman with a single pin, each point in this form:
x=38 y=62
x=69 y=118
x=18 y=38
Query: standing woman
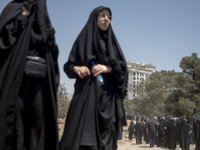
x=96 y=114
x=29 y=77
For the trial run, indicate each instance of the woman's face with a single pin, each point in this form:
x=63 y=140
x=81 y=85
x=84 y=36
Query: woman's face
x=103 y=20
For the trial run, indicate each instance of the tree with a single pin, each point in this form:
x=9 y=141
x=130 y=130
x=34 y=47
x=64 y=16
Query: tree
x=184 y=98
x=63 y=101
x=191 y=68
x=151 y=100
x=170 y=92
x=129 y=106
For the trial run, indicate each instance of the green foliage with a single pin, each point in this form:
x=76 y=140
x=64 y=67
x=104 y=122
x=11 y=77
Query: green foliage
x=191 y=69
x=152 y=102
x=186 y=106
x=129 y=106
x=170 y=92
x=191 y=66
x=63 y=101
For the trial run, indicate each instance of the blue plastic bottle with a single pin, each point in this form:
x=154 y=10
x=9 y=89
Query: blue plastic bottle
x=99 y=78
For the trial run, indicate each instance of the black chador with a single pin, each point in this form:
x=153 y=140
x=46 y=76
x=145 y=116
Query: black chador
x=131 y=130
x=161 y=134
x=96 y=115
x=171 y=134
x=184 y=135
x=28 y=118
x=138 y=133
x=197 y=133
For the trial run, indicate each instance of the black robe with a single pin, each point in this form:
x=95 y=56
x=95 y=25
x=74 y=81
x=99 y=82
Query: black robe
x=184 y=136
x=146 y=138
x=15 y=33
x=138 y=133
x=161 y=134
x=197 y=134
x=96 y=115
x=131 y=131
x=171 y=135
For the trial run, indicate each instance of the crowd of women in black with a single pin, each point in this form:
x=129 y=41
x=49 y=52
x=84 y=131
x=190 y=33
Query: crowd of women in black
x=169 y=132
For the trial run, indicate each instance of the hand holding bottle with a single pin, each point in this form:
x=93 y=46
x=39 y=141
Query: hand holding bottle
x=98 y=69
x=83 y=71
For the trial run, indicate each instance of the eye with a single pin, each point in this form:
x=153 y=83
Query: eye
x=104 y=15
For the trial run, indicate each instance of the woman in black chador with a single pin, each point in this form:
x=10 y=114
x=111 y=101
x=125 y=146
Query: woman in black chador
x=28 y=117
x=131 y=130
x=96 y=114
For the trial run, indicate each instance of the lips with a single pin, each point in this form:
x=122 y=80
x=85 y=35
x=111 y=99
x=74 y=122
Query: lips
x=106 y=24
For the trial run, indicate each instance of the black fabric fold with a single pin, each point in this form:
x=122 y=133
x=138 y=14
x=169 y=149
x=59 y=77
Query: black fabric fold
x=105 y=102
x=16 y=34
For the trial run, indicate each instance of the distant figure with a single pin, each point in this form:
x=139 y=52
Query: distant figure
x=151 y=130
x=171 y=134
x=197 y=133
x=146 y=138
x=161 y=134
x=131 y=130
x=96 y=115
x=190 y=133
x=184 y=135
x=138 y=132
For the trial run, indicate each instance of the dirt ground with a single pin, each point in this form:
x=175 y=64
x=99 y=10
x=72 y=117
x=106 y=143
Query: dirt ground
x=126 y=144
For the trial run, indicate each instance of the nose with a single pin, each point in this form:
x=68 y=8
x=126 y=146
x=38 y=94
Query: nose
x=106 y=17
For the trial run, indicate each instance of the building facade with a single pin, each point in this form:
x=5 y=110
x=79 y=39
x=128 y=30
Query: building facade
x=137 y=72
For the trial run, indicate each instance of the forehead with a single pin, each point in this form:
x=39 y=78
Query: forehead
x=105 y=11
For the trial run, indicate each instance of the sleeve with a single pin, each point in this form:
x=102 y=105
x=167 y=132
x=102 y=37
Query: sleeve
x=73 y=60
x=68 y=68
x=120 y=76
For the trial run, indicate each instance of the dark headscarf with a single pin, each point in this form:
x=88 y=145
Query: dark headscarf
x=14 y=48
x=95 y=110
x=88 y=46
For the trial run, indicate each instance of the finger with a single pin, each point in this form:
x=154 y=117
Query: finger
x=83 y=71
x=87 y=71
x=97 y=73
x=80 y=75
x=95 y=69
